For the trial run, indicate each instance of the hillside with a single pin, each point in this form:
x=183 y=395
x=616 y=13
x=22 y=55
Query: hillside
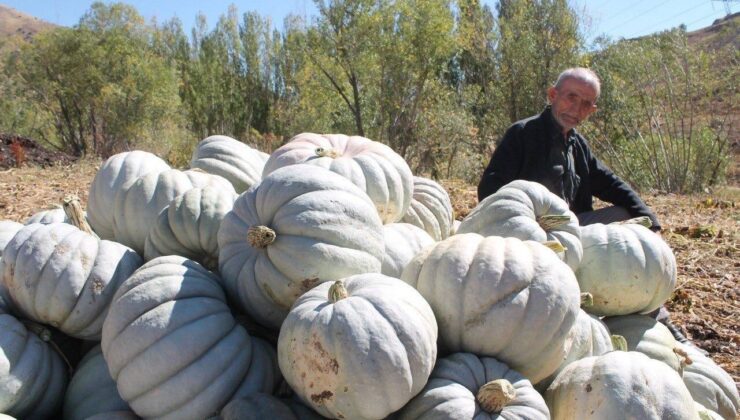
x=15 y=23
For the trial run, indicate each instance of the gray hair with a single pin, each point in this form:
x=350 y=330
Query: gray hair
x=581 y=74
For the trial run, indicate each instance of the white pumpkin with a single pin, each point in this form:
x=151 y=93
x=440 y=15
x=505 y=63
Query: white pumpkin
x=626 y=267
x=54 y=215
x=619 y=385
x=115 y=172
x=91 y=390
x=430 y=208
x=500 y=297
x=455 y=226
x=707 y=414
x=58 y=275
x=646 y=335
x=709 y=384
x=529 y=211
x=464 y=386
x=402 y=242
x=32 y=375
x=173 y=347
x=8 y=229
x=137 y=205
x=360 y=348
x=188 y=226
x=264 y=406
x=301 y=226
x=372 y=166
x=240 y=164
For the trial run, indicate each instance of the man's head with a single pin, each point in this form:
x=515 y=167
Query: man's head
x=573 y=97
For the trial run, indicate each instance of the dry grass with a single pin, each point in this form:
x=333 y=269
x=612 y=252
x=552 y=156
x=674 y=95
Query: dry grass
x=702 y=230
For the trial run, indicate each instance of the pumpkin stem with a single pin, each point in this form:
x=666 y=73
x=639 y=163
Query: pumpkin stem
x=73 y=209
x=260 y=236
x=555 y=246
x=327 y=152
x=587 y=300
x=619 y=343
x=642 y=220
x=337 y=292
x=549 y=222
x=496 y=395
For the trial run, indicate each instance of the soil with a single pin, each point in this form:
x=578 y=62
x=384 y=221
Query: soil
x=17 y=151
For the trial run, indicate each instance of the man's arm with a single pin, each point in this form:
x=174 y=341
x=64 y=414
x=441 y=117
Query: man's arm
x=505 y=164
x=608 y=187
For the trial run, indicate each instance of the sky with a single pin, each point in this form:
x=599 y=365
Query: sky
x=615 y=18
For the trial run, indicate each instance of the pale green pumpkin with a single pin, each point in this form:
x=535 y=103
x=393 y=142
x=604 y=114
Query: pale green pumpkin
x=240 y=164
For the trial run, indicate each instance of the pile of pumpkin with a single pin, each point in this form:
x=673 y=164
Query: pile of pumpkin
x=326 y=280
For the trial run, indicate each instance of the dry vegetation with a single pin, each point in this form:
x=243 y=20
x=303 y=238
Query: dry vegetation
x=702 y=230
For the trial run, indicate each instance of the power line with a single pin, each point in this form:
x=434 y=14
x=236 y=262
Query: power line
x=657 y=25
x=638 y=15
x=699 y=20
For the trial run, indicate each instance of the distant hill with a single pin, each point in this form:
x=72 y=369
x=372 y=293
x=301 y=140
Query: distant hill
x=15 y=23
x=721 y=32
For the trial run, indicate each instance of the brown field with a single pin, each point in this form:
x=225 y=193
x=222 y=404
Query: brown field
x=702 y=229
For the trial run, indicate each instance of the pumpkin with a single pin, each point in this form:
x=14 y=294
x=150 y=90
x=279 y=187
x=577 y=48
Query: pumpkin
x=529 y=211
x=455 y=226
x=32 y=375
x=505 y=298
x=646 y=335
x=359 y=348
x=464 y=386
x=54 y=215
x=402 y=242
x=430 y=208
x=619 y=385
x=260 y=406
x=372 y=166
x=91 y=390
x=137 y=205
x=172 y=346
x=627 y=268
x=188 y=226
x=58 y=275
x=302 y=225
x=8 y=229
x=113 y=175
x=707 y=414
x=238 y=163
x=709 y=384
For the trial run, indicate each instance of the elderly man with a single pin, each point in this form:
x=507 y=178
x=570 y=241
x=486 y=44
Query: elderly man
x=546 y=148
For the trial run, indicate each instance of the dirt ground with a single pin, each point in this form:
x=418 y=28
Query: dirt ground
x=701 y=229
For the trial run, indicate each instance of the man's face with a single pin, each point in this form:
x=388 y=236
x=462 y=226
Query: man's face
x=572 y=102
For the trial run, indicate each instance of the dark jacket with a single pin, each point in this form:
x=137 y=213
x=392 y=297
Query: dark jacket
x=534 y=149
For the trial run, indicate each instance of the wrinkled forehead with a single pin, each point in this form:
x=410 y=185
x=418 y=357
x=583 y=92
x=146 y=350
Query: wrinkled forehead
x=582 y=88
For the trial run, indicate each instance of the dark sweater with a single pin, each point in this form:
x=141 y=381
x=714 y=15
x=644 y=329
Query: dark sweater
x=534 y=149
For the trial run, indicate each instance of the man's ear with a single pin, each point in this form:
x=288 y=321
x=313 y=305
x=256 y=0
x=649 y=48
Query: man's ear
x=551 y=92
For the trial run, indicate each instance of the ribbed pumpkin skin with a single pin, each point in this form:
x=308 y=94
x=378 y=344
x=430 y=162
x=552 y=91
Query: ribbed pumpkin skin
x=189 y=226
x=58 y=275
x=646 y=335
x=263 y=406
x=710 y=385
x=326 y=229
x=240 y=164
x=515 y=211
x=499 y=297
x=361 y=357
x=8 y=229
x=91 y=390
x=453 y=386
x=32 y=375
x=627 y=268
x=430 y=208
x=372 y=166
x=619 y=385
x=137 y=205
x=118 y=170
x=402 y=242
x=45 y=217
x=172 y=345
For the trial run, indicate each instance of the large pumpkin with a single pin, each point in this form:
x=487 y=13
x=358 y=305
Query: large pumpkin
x=8 y=229
x=58 y=275
x=264 y=406
x=402 y=242
x=360 y=348
x=464 y=386
x=188 y=226
x=48 y=216
x=173 y=347
x=499 y=297
x=116 y=172
x=138 y=204
x=646 y=335
x=92 y=391
x=619 y=385
x=529 y=211
x=626 y=267
x=301 y=226
x=32 y=375
x=238 y=163
x=430 y=208
x=372 y=166
x=709 y=384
